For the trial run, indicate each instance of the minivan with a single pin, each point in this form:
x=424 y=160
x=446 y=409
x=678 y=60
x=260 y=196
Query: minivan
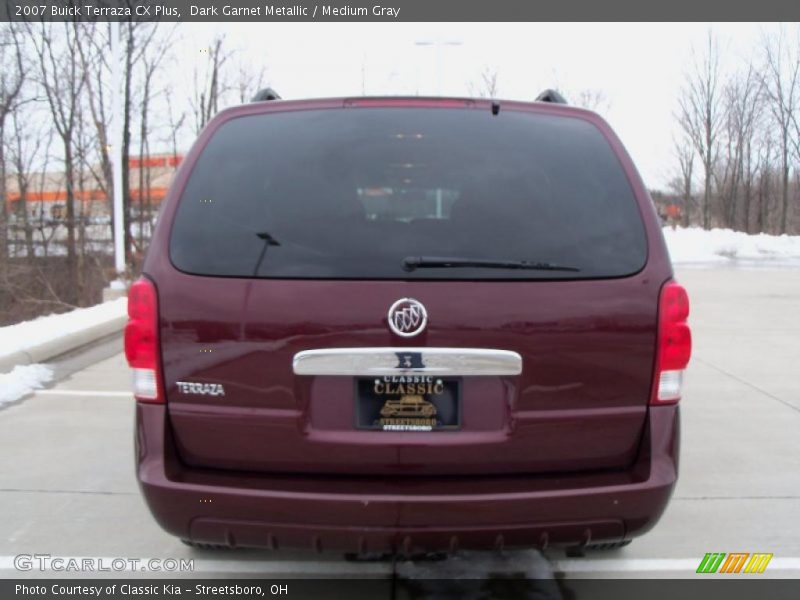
x=406 y=325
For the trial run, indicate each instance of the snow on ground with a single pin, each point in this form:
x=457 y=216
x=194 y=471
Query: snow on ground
x=25 y=335
x=725 y=246
x=23 y=380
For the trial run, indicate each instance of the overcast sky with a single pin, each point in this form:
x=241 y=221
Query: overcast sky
x=639 y=67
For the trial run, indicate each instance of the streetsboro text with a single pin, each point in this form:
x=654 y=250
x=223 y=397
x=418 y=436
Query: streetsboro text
x=270 y=10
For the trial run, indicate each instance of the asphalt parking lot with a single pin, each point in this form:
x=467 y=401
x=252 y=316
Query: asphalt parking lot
x=67 y=485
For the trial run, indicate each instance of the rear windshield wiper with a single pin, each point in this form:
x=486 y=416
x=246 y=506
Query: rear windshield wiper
x=268 y=241
x=411 y=263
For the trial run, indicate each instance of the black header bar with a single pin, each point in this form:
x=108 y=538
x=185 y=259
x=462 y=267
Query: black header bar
x=737 y=588
x=399 y=10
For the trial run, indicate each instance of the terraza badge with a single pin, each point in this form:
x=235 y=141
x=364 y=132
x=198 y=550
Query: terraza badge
x=200 y=389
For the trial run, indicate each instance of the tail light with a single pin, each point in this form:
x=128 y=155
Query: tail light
x=141 y=341
x=674 y=344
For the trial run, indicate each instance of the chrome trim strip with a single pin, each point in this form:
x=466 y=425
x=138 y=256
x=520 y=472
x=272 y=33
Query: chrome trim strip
x=367 y=362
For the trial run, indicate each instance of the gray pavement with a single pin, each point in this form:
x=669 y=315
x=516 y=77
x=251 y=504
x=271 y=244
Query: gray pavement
x=67 y=485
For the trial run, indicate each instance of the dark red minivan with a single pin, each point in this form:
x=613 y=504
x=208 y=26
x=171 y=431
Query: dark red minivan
x=407 y=325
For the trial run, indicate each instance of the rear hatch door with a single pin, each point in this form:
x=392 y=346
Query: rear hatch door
x=296 y=231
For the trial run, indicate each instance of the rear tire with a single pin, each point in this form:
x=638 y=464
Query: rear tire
x=395 y=556
x=204 y=546
x=368 y=556
x=608 y=545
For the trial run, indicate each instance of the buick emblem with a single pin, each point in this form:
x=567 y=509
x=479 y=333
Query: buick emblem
x=407 y=317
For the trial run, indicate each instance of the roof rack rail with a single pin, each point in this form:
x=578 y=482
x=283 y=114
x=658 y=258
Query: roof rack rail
x=266 y=95
x=553 y=96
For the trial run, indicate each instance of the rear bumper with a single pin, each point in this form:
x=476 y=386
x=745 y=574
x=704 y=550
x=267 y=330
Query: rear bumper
x=407 y=513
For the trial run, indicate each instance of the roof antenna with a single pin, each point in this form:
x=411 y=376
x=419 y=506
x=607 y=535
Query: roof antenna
x=495 y=107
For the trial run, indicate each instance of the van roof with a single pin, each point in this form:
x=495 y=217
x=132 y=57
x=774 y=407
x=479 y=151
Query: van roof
x=556 y=109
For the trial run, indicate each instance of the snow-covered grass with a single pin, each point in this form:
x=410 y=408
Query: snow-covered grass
x=40 y=339
x=23 y=380
x=721 y=246
x=29 y=334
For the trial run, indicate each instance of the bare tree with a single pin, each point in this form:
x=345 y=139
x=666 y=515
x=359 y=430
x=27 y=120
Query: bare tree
x=29 y=143
x=152 y=57
x=751 y=169
x=138 y=37
x=684 y=152
x=742 y=105
x=141 y=44
x=46 y=233
x=84 y=183
x=209 y=86
x=487 y=84
x=61 y=81
x=591 y=99
x=751 y=116
x=12 y=78
x=94 y=48
x=249 y=81
x=764 y=192
x=175 y=123
x=782 y=87
x=700 y=115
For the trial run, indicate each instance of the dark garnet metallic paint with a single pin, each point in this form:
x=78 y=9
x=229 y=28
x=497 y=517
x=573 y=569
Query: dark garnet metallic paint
x=567 y=450
x=345 y=512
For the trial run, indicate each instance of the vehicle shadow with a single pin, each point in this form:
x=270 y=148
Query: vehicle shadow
x=524 y=574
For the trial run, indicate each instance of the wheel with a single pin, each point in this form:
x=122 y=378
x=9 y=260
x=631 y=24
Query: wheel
x=204 y=546
x=368 y=556
x=608 y=545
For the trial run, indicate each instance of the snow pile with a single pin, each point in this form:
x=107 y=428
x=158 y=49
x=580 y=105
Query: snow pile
x=695 y=245
x=29 y=334
x=23 y=380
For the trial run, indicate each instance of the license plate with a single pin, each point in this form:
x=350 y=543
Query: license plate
x=408 y=403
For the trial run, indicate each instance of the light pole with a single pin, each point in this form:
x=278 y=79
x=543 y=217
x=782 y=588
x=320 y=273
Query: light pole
x=438 y=45
x=116 y=156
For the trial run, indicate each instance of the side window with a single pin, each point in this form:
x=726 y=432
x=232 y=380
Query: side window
x=407 y=204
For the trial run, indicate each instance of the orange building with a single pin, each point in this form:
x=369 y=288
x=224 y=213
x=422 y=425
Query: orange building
x=46 y=193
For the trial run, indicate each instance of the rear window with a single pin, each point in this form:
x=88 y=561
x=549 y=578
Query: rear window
x=352 y=193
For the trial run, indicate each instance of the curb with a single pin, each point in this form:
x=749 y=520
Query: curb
x=62 y=345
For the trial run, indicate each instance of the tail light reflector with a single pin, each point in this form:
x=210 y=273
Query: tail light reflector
x=674 y=343
x=141 y=341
